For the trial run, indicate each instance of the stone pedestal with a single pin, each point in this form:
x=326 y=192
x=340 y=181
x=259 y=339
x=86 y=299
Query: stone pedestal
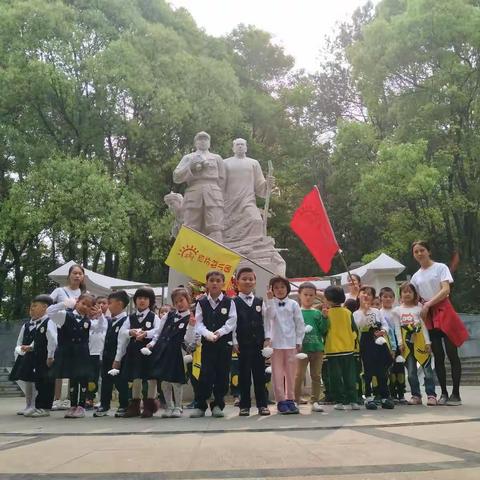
x=176 y=279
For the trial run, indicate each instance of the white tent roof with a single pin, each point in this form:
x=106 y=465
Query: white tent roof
x=97 y=283
x=383 y=264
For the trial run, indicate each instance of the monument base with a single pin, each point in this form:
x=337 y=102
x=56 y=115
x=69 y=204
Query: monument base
x=175 y=279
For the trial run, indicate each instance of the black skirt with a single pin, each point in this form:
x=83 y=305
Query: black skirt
x=135 y=364
x=73 y=361
x=24 y=368
x=167 y=363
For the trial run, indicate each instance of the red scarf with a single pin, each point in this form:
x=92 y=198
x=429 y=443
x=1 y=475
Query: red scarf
x=444 y=317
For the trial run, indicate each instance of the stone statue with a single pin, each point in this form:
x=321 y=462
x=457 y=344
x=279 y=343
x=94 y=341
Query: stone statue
x=174 y=202
x=204 y=173
x=244 y=226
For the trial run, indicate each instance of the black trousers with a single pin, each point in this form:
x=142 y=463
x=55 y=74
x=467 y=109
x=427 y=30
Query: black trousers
x=214 y=375
x=45 y=392
x=95 y=363
x=78 y=391
x=251 y=363
x=120 y=383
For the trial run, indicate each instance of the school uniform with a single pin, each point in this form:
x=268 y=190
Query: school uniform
x=44 y=346
x=376 y=359
x=23 y=369
x=74 y=360
x=167 y=356
x=397 y=371
x=250 y=336
x=95 y=346
x=212 y=315
x=135 y=365
x=108 y=357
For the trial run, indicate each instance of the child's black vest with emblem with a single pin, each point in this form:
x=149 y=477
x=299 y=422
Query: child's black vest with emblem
x=111 y=338
x=28 y=333
x=250 y=331
x=145 y=325
x=76 y=329
x=173 y=331
x=216 y=318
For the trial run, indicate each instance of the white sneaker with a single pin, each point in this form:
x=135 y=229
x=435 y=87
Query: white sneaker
x=197 y=413
x=177 y=412
x=66 y=405
x=21 y=412
x=217 y=412
x=339 y=406
x=355 y=406
x=168 y=413
x=316 y=407
x=28 y=412
x=40 y=412
x=79 y=413
x=71 y=412
x=57 y=405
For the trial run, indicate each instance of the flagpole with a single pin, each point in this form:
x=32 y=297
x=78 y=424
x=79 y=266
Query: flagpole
x=340 y=252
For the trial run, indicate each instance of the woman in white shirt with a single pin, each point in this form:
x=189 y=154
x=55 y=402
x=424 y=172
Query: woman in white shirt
x=432 y=282
x=73 y=289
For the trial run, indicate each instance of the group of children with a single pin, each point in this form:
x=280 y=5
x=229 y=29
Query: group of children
x=356 y=351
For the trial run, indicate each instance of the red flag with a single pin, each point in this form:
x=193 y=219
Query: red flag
x=311 y=224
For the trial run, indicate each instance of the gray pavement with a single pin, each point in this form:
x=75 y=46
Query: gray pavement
x=406 y=443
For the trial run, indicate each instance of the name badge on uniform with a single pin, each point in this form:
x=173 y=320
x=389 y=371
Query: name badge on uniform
x=148 y=324
x=42 y=329
x=181 y=325
x=223 y=311
x=117 y=329
x=258 y=308
x=85 y=325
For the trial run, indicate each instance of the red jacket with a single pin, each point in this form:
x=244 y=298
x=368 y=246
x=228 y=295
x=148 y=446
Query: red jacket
x=444 y=317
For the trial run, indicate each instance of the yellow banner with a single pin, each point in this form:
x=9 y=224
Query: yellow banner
x=194 y=255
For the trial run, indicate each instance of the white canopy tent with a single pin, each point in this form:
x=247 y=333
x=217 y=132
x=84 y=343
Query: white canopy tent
x=97 y=283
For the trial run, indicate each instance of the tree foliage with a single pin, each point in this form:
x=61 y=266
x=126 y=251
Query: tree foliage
x=101 y=99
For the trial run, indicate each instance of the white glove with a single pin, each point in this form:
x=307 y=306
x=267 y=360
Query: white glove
x=187 y=359
x=301 y=356
x=268 y=370
x=210 y=336
x=308 y=328
x=399 y=359
x=380 y=341
x=113 y=372
x=267 y=352
x=70 y=302
x=146 y=351
x=19 y=351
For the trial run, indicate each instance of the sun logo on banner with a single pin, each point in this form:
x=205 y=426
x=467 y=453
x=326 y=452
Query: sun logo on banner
x=188 y=251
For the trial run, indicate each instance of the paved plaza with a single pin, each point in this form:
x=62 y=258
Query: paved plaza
x=407 y=443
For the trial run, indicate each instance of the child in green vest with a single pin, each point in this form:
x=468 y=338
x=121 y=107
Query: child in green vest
x=313 y=345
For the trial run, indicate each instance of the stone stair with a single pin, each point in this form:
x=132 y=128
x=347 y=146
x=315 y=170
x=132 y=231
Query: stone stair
x=470 y=371
x=8 y=388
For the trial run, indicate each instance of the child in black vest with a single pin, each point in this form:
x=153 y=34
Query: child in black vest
x=216 y=317
x=117 y=303
x=167 y=357
x=36 y=346
x=74 y=319
x=134 y=345
x=248 y=342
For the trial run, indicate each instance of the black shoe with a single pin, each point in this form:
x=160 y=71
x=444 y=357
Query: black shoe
x=244 y=412
x=370 y=405
x=454 y=400
x=120 y=413
x=100 y=412
x=388 y=404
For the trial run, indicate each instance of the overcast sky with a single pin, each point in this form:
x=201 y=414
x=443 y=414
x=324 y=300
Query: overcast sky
x=300 y=26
